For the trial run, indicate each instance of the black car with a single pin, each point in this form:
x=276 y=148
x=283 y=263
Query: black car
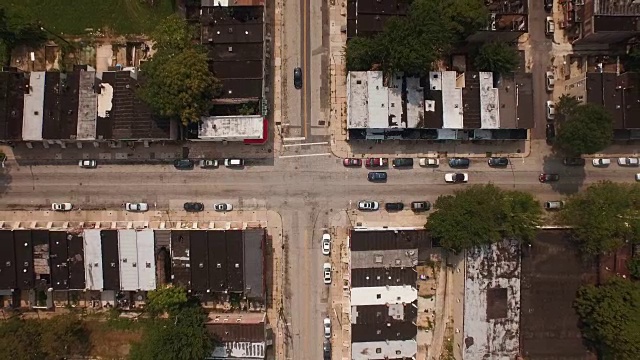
x=326 y=349
x=402 y=162
x=498 y=161
x=183 y=164
x=418 y=206
x=551 y=133
x=394 y=206
x=193 y=206
x=297 y=78
x=377 y=176
x=459 y=162
x=548 y=5
x=573 y=161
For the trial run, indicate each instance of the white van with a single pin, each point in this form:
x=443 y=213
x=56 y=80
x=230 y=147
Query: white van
x=233 y=162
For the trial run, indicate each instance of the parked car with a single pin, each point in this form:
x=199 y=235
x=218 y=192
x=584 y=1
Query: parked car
x=61 y=206
x=454 y=178
x=548 y=5
x=601 y=162
x=551 y=133
x=137 y=207
x=394 y=206
x=183 y=164
x=351 y=162
x=550 y=26
x=553 y=205
x=418 y=206
x=637 y=177
x=222 y=207
x=628 y=161
x=459 y=162
x=575 y=161
x=208 y=164
x=233 y=162
x=368 y=205
x=326 y=323
x=326 y=350
x=550 y=81
x=193 y=206
x=377 y=176
x=326 y=271
x=88 y=164
x=326 y=244
x=297 y=78
x=551 y=110
x=376 y=162
x=498 y=162
x=545 y=178
x=433 y=162
x=402 y=162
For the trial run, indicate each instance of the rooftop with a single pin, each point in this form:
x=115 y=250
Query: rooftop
x=384 y=350
x=616 y=7
x=382 y=314
x=368 y=240
x=368 y=17
x=384 y=258
x=231 y=127
x=394 y=276
x=382 y=295
x=618 y=94
x=238 y=327
x=12 y=90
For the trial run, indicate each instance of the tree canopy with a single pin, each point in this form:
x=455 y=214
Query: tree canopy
x=604 y=216
x=586 y=129
x=497 y=57
x=483 y=214
x=15 y=31
x=165 y=299
x=610 y=318
x=177 y=82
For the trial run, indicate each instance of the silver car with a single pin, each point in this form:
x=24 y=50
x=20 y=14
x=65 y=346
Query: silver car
x=367 y=205
x=326 y=324
x=222 y=207
x=61 y=206
x=88 y=164
x=136 y=207
x=326 y=244
x=326 y=273
x=628 y=161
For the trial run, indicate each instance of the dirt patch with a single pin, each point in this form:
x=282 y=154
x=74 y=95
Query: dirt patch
x=111 y=343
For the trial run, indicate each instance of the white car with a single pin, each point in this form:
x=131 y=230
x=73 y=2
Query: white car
x=326 y=244
x=326 y=272
x=368 y=205
x=222 y=207
x=137 y=207
x=326 y=324
x=208 y=164
x=628 y=161
x=550 y=26
x=453 y=178
x=601 y=162
x=551 y=80
x=551 y=110
x=637 y=177
x=233 y=162
x=61 y=206
x=88 y=164
x=429 y=162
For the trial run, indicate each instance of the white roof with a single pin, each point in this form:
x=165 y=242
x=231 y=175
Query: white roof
x=378 y=350
x=93 y=260
x=128 y=250
x=87 y=106
x=231 y=128
x=33 y=107
x=381 y=295
x=451 y=98
x=378 y=100
x=415 y=102
x=146 y=260
x=489 y=104
x=105 y=99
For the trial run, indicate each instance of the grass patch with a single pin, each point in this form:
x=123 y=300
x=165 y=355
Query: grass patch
x=122 y=17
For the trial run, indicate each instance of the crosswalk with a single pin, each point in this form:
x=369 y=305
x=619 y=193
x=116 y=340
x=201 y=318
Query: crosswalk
x=302 y=147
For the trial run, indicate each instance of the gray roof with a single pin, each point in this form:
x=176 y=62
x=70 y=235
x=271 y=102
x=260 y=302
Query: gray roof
x=253 y=263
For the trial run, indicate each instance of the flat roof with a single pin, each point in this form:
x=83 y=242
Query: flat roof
x=231 y=128
x=93 y=259
x=7 y=259
x=87 y=105
x=199 y=260
x=41 y=268
x=128 y=250
x=60 y=117
x=383 y=350
x=34 y=107
x=110 y=259
x=240 y=88
x=75 y=247
x=393 y=331
x=217 y=261
x=394 y=276
x=381 y=295
x=367 y=240
x=415 y=102
x=228 y=331
x=59 y=255
x=146 y=260
x=24 y=259
x=384 y=258
x=452 y=106
x=489 y=104
x=12 y=87
x=382 y=314
x=180 y=269
x=253 y=241
x=235 y=254
x=616 y=7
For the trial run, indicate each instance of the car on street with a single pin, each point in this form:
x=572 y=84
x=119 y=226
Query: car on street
x=419 y=206
x=431 y=162
x=377 y=176
x=551 y=110
x=637 y=177
x=550 y=26
x=326 y=324
x=548 y=5
x=326 y=244
x=545 y=178
x=193 y=206
x=234 y=163
x=326 y=273
x=454 y=178
x=88 y=164
x=326 y=350
x=183 y=164
x=459 y=162
x=628 y=161
x=61 y=206
x=351 y=162
x=136 y=207
x=297 y=78
x=551 y=133
x=553 y=205
x=402 y=162
x=222 y=207
x=368 y=205
x=376 y=162
x=550 y=81
x=498 y=161
x=601 y=162
x=573 y=161
x=208 y=164
x=394 y=206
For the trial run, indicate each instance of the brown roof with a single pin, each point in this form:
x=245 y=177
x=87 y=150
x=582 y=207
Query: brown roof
x=249 y=327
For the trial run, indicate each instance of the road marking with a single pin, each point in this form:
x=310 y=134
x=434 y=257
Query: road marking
x=307 y=144
x=303 y=155
x=294 y=139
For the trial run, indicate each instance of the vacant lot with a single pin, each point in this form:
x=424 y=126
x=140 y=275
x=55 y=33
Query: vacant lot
x=552 y=272
x=121 y=17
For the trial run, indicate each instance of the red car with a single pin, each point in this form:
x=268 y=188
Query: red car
x=352 y=162
x=376 y=162
x=545 y=178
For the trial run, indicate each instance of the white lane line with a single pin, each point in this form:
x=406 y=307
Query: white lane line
x=294 y=139
x=303 y=155
x=307 y=144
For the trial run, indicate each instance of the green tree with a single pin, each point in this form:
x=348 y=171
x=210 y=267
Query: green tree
x=361 y=53
x=20 y=340
x=171 y=36
x=602 y=216
x=166 y=299
x=634 y=267
x=497 y=57
x=64 y=336
x=632 y=60
x=566 y=104
x=610 y=318
x=466 y=16
x=15 y=31
x=587 y=129
x=487 y=213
